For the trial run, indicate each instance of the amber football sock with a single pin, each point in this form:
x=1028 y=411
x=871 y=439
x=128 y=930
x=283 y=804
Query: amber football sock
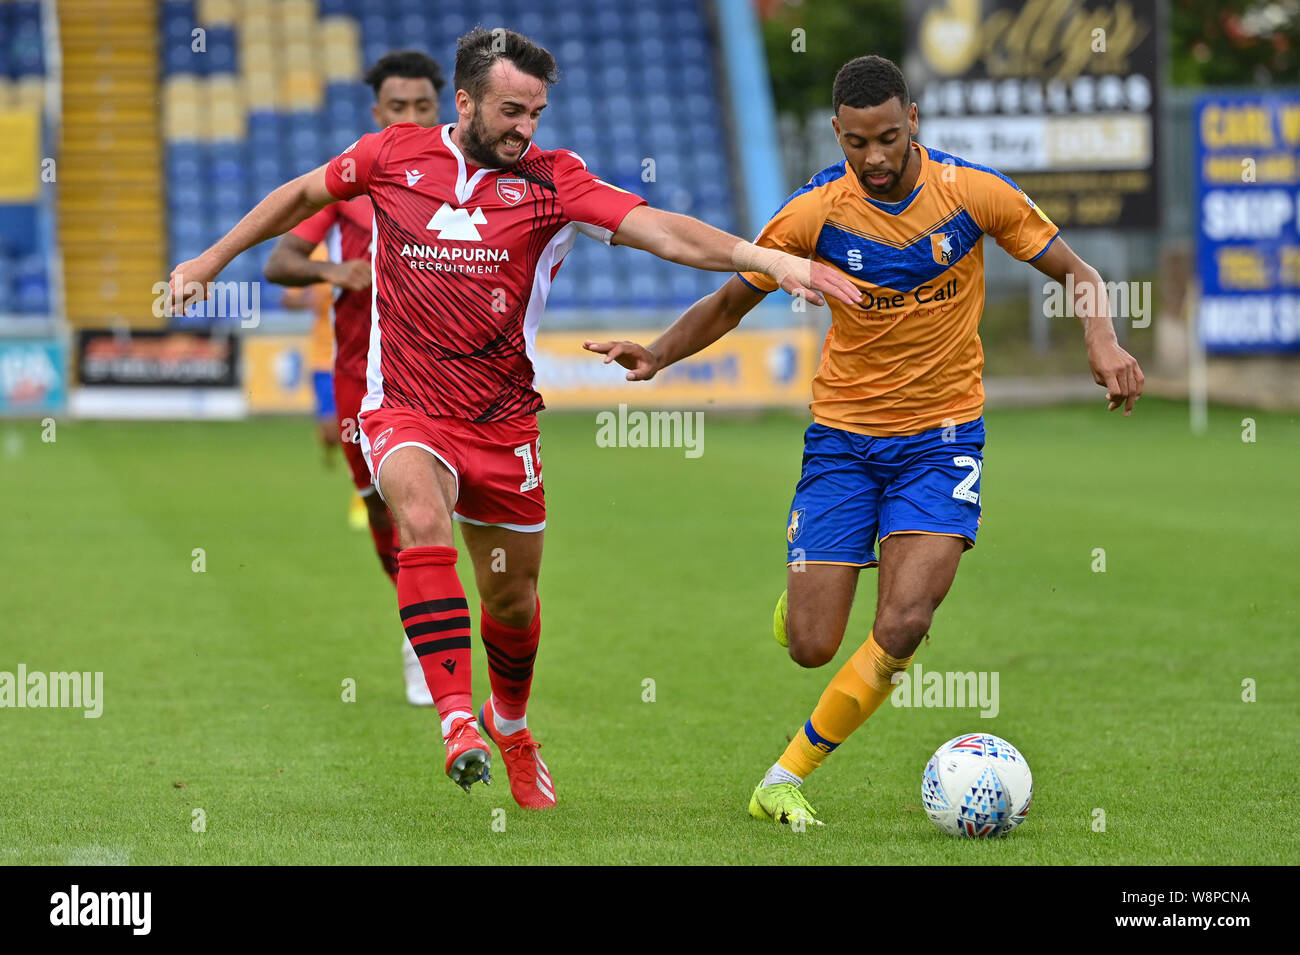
x=854 y=693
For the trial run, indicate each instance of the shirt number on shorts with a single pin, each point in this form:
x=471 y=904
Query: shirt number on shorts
x=962 y=491
x=531 y=480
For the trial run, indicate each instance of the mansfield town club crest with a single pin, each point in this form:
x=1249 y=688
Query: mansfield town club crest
x=792 y=532
x=941 y=245
x=511 y=190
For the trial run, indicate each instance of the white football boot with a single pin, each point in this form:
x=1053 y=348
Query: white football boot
x=417 y=690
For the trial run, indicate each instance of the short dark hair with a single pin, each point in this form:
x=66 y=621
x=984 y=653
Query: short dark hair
x=869 y=81
x=409 y=65
x=479 y=50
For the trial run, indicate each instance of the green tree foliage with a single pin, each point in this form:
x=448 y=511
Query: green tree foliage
x=1234 y=42
x=1211 y=43
x=834 y=31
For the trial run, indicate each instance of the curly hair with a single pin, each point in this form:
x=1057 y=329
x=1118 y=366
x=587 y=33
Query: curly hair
x=869 y=81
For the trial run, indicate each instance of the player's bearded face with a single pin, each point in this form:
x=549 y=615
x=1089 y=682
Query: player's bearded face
x=866 y=174
x=486 y=146
x=877 y=142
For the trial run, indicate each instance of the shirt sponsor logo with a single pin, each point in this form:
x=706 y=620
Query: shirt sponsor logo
x=883 y=301
x=459 y=224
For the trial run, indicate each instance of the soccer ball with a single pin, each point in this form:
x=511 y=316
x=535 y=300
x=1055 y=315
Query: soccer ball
x=977 y=786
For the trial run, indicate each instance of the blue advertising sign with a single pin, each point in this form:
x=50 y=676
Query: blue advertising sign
x=33 y=376
x=1247 y=158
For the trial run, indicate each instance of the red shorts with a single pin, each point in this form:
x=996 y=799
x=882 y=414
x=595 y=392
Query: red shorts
x=348 y=393
x=497 y=464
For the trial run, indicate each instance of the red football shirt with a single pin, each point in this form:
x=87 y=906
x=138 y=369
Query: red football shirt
x=463 y=261
x=346 y=228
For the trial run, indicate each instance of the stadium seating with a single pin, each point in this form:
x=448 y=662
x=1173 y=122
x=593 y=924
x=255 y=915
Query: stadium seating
x=276 y=89
x=25 y=238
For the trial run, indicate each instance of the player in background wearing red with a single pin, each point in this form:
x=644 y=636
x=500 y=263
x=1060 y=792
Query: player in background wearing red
x=406 y=85
x=472 y=221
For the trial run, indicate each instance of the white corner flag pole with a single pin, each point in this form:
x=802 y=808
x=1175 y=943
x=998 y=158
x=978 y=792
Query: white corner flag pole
x=1197 y=386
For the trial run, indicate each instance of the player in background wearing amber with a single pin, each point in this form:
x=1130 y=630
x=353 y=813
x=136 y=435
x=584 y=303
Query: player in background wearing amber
x=406 y=86
x=895 y=450
x=472 y=222
x=318 y=299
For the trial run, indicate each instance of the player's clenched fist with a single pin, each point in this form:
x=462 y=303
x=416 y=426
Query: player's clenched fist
x=353 y=275
x=187 y=284
x=639 y=360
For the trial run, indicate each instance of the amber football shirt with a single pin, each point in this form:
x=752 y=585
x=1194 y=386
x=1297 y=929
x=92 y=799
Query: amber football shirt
x=908 y=358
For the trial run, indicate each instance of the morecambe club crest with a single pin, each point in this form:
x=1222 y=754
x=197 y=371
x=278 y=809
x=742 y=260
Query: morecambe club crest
x=511 y=190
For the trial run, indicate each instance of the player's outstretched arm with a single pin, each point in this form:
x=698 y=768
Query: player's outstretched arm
x=1112 y=367
x=290 y=263
x=699 y=327
x=688 y=241
x=276 y=214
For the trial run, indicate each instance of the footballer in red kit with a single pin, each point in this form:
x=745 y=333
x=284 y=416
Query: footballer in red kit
x=406 y=85
x=471 y=222
x=464 y=263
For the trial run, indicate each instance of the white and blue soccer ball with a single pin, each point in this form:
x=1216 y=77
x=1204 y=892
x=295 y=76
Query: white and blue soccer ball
x=977 y=786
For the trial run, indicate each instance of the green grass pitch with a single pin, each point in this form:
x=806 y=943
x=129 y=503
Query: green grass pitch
x=223 y=689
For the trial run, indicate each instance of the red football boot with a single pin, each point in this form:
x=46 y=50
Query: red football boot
x=468 y=759
x=530 y=780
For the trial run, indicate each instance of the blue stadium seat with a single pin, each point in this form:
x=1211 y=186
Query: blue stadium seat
x=180 y=58
x=185 y=203
x=184 y=162
x=31 y=286
x=178 y=22
x=26 y=53
x=220 y=43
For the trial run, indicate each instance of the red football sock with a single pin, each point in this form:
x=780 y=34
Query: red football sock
x=436 y=617
x=510 y=654
x=386 y=546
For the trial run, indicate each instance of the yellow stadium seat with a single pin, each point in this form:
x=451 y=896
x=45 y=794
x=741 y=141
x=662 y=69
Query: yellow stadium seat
x=340 y=56
x=297 y=11
x=298 y=54
x=30 y=91
x=258 y=29
x=181 y=108
x=217 y=12
x=261 y=89
x=302 y=90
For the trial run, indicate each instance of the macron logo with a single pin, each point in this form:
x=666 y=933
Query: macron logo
x=452 y=223
x=412 y=177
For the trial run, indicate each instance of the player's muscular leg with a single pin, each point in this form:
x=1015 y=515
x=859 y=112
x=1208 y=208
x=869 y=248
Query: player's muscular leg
x=916 y=571
x=817 y=613
x=421 y=493
x=506 y=566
